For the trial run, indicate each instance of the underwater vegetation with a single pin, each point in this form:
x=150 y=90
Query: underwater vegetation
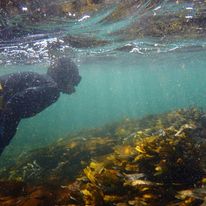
x=156 y=160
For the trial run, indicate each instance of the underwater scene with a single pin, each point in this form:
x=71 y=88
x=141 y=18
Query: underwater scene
x=124 y=123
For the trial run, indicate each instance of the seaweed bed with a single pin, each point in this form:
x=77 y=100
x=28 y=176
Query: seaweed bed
x=157 y=160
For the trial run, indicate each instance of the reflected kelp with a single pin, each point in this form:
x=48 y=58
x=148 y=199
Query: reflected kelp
x=160 y=158
x=41 y=10
x=157 y=18
x=98 y=27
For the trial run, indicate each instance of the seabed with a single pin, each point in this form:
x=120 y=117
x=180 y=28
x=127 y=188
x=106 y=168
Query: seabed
x=159 y=160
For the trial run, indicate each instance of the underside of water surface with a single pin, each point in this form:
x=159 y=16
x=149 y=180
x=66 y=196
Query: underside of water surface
x=134 y=132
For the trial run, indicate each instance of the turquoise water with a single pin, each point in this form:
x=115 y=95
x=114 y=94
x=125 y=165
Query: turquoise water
x=114 y=88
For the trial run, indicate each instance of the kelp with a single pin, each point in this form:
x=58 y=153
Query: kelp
x=156 y=159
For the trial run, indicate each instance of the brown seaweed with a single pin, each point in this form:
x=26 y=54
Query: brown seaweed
x=159 y=158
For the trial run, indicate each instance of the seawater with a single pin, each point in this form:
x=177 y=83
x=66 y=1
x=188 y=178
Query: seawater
x=114 y=88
